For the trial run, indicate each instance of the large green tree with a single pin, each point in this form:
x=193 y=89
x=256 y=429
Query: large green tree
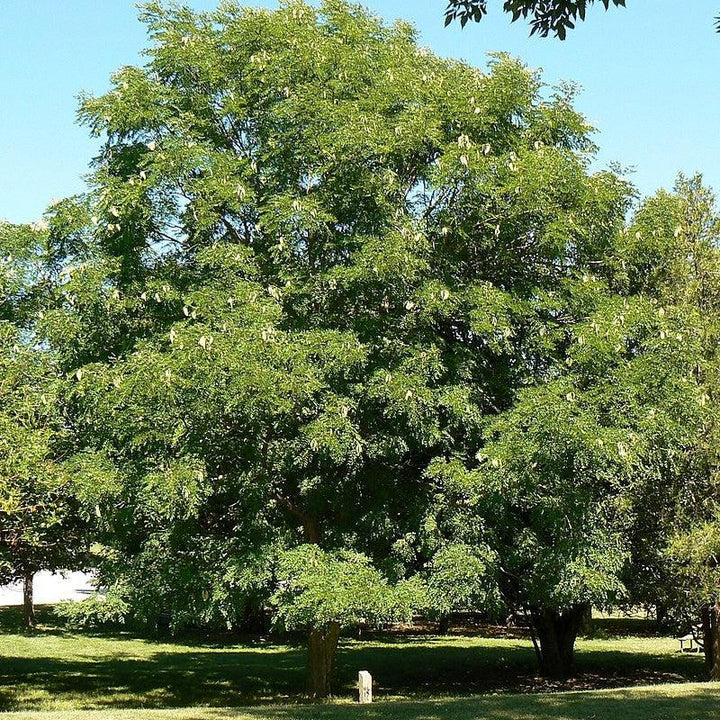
x=314 y=259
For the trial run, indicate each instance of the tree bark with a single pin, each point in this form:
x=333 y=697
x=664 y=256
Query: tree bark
x=556 y=633
x=28 y=605
x=322 y=644
x=710 y=616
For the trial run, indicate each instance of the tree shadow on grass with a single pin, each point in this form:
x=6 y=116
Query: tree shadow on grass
x=434 y=668
x=246 y=676
x=162 y=679
x=627 y=705
x=695 y=702
x=12 y=619
x=625 y=627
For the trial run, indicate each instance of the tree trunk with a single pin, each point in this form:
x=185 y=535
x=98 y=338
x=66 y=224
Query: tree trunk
x=28 y=606
x=556 y=633
x=311 y=530
x=710 y=616
x=661 y=612
x=322 y=644
x=444 y=625
x=586 y=624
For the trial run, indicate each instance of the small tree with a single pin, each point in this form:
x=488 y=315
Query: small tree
x=560 y=488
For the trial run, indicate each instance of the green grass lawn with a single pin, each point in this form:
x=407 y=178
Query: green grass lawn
x=690 y=701
x=424 y=677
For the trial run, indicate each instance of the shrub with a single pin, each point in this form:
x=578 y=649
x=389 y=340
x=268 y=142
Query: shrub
x=95 y=611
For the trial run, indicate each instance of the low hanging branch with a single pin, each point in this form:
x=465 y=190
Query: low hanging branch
x=548 y=16
x=554 y=17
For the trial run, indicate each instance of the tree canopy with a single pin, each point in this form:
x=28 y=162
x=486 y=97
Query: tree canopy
x=673 y=247
x=315 y=260
x=42 y=525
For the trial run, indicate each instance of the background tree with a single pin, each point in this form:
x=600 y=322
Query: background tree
x=41 y=523
x=587 y=478
x=671 y=252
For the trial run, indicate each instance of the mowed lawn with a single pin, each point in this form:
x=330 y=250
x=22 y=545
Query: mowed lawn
x=423 y=677
x=690 y=701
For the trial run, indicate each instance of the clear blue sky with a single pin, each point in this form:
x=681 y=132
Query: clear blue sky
x=649 y=75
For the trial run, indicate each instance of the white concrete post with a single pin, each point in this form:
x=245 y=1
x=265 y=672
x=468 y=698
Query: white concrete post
x=365 y=687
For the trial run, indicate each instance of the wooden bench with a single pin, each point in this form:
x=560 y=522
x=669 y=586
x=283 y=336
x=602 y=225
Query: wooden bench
x=691 y=642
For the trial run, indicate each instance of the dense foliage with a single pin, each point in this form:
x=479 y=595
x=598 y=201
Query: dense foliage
x=344 y=331
x=41 y=522
x=548 y=16
x=554 y=17
x=314 y=260
x=675 y=254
